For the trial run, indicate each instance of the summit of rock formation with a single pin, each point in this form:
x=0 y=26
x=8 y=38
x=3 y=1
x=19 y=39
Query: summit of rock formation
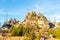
x=33 y=19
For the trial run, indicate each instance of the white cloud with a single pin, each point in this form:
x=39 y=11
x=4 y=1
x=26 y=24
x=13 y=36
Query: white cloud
x=51 y=17
x=55 y=17
x=40 y=8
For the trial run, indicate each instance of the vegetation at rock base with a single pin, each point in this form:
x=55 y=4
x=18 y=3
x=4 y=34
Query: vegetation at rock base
x=25 y=31
x=56 y=33
x=29 y=33
x=18 y=31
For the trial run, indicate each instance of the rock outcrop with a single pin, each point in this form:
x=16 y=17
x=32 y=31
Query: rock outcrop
x=33 y=20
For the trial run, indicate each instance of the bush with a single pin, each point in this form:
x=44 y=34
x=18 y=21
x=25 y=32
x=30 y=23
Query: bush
x=32 y=35
x=14 y=32
x=18 y=31
x=55 y=33
x=38 y=36
x=25 y=31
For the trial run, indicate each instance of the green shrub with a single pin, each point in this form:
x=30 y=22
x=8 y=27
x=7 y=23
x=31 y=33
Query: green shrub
x=12 y=28
x=51 y=31
x=33 y=35
x=18 y=31
x=22 y=31
x=14 y=32
x=38 y=36
x=55 y=33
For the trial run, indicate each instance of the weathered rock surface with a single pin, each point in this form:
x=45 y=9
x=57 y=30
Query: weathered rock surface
x=33 y=19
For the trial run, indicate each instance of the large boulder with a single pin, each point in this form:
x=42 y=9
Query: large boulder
x=35 y=19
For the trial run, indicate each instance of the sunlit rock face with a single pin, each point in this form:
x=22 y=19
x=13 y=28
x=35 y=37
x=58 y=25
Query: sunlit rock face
x=34 y=19
x=42 y=21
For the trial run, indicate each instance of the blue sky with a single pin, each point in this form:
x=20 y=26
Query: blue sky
x=18 y=8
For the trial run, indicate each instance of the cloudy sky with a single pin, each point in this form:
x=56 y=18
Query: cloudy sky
x=18 y=9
